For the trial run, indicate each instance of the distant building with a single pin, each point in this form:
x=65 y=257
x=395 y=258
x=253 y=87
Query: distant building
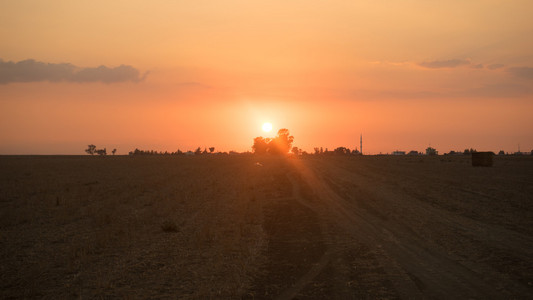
x=413 y=152
x=431 y=151
x=398 y=152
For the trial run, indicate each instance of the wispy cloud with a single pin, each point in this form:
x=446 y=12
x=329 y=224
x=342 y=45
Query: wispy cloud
x=522 y=72
x=487 y=91
x=31 y=71
x=452 y=63
x=495 y=66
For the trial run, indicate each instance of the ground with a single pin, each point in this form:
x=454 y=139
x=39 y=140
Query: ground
x=262 y=227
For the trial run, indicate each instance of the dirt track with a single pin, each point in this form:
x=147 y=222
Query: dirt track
x=255 y=227
x=373 y=228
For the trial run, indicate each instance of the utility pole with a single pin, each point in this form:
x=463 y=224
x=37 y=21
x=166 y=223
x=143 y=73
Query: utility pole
x=361 y=143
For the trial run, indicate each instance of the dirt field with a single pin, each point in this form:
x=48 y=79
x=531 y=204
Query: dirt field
x=264 y=227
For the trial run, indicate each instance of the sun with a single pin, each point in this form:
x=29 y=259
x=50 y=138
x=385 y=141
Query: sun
x=267 y=127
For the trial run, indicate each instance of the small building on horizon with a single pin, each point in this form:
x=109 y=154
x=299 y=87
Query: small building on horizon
x=398 y=152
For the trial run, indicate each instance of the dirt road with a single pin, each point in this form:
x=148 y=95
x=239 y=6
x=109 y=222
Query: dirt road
x=410 y=229
x=265 y=227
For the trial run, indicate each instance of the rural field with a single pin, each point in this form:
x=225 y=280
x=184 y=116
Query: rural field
x=263 y=227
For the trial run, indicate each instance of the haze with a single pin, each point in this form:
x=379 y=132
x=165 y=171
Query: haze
x=168 y=75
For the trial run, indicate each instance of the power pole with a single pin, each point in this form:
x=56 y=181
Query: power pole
x=361 y=143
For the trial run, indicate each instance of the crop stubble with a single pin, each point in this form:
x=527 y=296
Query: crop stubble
x=219 y=226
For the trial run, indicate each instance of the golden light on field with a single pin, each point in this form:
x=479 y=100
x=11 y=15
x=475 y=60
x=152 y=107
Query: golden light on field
x=267 y=127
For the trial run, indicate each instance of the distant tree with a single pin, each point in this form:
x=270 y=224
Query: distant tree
x=205 y=151
x=198 y=151
x=91 y=149
x=341 y=150
x=295 y=150
x=317 y=150
x=282 y=143
x=260 y=145
x=211 y=149
x=469 y=151
x=431 y=151
x=114 y=151
x=322 y=150
x=101 y=152
x=503 y=153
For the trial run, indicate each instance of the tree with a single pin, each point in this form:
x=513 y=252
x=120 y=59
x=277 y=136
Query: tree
x=341 y=150
x=317 y=150
x=101 y=152
x=211 y=149
x=260 y=145
x=295 y=151
x=198 y=151
x=282 y=143
x=114 y=151
x=91 y=149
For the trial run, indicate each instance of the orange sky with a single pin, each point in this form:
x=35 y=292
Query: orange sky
x=405 y=74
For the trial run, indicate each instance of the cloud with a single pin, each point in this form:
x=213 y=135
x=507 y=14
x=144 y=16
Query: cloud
x=523 y=72
x=495 y=66
x=502 y=90
x=31 y=71
x=487 y=91
x=452 y=63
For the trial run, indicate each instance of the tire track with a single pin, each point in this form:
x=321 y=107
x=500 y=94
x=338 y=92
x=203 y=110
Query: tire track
x=419 y=269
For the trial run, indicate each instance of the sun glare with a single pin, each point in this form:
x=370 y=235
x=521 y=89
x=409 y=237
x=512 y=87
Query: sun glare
x=267 y=127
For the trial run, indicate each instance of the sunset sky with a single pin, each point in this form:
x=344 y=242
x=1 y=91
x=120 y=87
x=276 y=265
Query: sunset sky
x=168 y=75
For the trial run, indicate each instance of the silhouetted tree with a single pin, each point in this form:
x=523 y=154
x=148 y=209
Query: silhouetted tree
x=317 y=150
x=91 y=149
x=503 y=153
x=341 y=150
x=295 y=150
x=198 y=151
x=101 y=152
x=282 y=143
x=469 y=151
x=211 y=149
x=260 y=145
x=114 y=151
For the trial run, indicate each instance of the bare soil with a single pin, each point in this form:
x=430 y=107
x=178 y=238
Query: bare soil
x=266 y=227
